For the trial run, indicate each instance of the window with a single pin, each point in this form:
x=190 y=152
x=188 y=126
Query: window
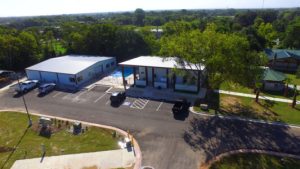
x=112 y=63
x=107 y=65
x=72 y=79
x=80 y=78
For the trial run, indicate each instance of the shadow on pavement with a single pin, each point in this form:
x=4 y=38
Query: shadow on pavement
x=215 y=136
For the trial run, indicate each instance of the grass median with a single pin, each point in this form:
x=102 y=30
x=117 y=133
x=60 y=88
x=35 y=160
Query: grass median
x=247 y=107
x=19 y=142
x=255 y=161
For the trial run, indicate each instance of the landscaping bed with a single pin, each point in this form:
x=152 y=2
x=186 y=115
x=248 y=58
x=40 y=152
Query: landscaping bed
x=18 y=142
x=255 y=161
x=247 y=107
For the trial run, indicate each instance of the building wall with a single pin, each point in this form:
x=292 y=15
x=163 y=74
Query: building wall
x=273 y=86
x=96 y=70
x=160 y=74
x=33 y=75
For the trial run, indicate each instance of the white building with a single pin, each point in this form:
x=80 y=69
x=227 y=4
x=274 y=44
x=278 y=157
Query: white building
x=70 y=70
x=158 y=72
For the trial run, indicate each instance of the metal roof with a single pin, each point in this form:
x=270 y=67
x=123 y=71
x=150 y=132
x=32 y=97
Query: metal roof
x=282 y=53
x=272 y=75
x=161 y=62
x=70 y=64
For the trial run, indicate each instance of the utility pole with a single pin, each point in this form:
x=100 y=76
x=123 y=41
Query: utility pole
x=24 y=102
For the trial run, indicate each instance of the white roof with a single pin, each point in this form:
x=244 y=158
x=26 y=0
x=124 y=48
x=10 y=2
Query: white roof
x=160 y=62
x=70 y=64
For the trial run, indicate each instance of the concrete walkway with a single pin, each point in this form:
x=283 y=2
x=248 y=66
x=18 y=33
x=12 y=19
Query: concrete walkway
x=253 y=96
x=105 y=159
x=12 y=84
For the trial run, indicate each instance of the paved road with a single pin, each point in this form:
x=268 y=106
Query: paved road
x=166 y=142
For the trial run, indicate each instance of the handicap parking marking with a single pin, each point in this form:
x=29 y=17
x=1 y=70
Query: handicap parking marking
x=139 y=103
x=95 y=101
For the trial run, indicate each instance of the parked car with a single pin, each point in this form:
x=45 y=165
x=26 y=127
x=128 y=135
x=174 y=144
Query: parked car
x=26 y=86
x=46 y=88
x=117 y=98
x=180 y=106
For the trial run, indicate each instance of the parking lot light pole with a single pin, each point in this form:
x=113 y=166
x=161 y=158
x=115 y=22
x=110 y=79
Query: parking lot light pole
x=24 y=102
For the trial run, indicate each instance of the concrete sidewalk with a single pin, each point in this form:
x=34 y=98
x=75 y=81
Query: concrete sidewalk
x=253 y=96
x=105 y=160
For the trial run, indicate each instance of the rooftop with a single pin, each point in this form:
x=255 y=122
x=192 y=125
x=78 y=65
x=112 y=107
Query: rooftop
x=282 y=53
x=272 y=75
x=160 y=62
x=70 y=64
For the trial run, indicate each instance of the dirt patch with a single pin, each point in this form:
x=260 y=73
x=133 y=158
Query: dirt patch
x=6 y=149
x=230 y=101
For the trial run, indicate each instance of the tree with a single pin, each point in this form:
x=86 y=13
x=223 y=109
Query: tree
x=225 y=56
x=267 y=31
x=292 y=38
x=295 y=96
x=139 y=17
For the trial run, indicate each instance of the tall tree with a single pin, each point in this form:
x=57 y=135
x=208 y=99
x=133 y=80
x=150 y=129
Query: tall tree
x=139 y=16
x=225 y=56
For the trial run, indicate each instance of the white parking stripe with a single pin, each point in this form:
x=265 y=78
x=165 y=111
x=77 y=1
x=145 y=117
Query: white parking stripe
x=107 y=102
x=77 y=97
x=58 y=93
x=159 y=106
x=100 y=97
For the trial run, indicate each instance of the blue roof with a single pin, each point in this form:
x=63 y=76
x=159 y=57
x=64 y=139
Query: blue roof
x=282 y=53
x=70 y=64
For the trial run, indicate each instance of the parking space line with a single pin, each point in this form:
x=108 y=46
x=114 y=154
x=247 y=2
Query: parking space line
x=108 y=90
x=99 y=98
x=77 y=97
x=159 y=106
x=58 y=93
x=107 y=102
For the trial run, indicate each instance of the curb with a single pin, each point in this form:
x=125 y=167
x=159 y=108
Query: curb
x=240 y=151
x=137 y=150
x=246 y=119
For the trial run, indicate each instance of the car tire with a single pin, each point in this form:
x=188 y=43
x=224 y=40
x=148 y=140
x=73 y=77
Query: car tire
x=25 y=91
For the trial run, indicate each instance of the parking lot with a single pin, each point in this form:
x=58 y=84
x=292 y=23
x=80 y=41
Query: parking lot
x=98 y=95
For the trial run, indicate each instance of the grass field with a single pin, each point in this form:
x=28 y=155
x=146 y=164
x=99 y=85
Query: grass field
x=13 y=134
x=247 y=107
x=255 y=161
x=293 y=78
x=229 y=86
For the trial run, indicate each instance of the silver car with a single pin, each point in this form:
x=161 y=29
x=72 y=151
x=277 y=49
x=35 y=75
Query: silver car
x=46 y=88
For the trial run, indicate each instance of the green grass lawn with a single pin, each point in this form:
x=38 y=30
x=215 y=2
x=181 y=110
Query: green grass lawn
x=247 y=107
x=294 y=79
x=229 y=86
x=256 y=161
x=13 y=126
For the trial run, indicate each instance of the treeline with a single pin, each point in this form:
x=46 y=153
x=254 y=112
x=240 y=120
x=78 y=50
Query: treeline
x=25 y=41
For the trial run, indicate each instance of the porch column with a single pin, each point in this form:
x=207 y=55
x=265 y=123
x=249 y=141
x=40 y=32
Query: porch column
x=167 y=78
x=146 y=71
x=123 y=77
x=174 y=81
x=152 y=76
x=134 y=75
x=198 y=81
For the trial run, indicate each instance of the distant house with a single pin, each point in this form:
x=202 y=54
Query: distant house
x=157 y=32
x=283 y=59
x=158 y=72
x=273 y=80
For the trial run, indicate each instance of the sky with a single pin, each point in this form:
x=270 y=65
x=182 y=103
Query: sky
x=52 y=7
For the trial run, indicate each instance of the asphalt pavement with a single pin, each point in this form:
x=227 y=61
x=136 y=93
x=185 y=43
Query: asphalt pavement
x=166 y=142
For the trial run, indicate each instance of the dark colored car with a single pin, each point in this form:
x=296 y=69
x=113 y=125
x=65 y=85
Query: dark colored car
x=181 y=106
x=117 y=98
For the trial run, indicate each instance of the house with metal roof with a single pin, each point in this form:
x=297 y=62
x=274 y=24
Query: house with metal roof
x=70 y=70
x=283 y=59
x=273 y=80
x=165 y=73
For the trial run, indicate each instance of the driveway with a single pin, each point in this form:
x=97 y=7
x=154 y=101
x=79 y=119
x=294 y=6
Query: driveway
x=166 y=143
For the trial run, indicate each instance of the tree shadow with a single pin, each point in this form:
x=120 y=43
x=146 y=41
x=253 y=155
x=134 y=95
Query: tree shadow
x=217 y=135
x=12 y=152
